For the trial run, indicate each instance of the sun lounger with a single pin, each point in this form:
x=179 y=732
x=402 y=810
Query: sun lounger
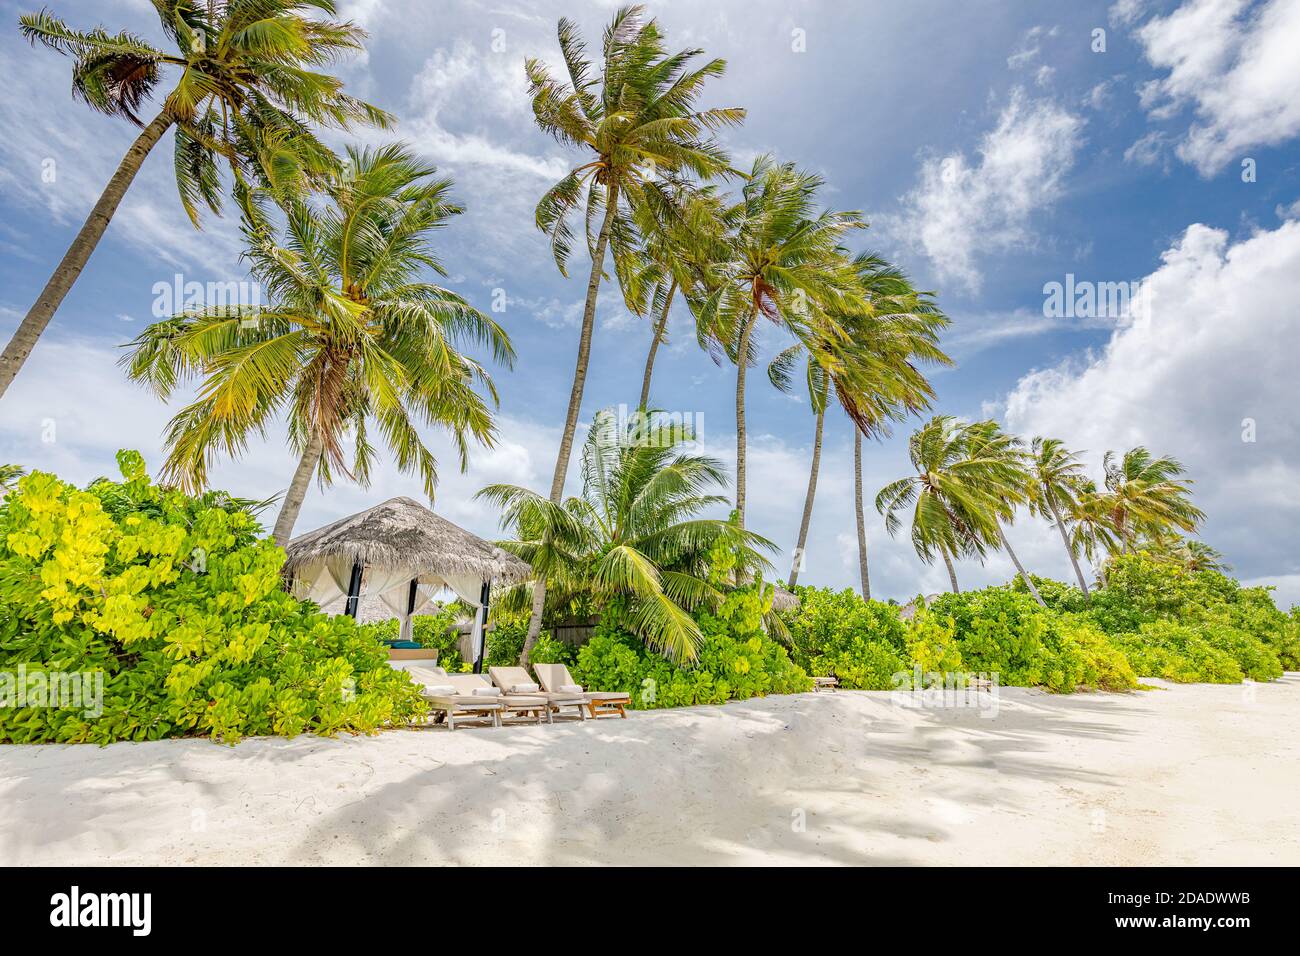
x=522 y=705
x=515 y=680
x=556 y=679
x=445 y=701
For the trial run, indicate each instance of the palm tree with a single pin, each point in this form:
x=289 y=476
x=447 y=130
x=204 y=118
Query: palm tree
x=787 y=266
x=872 y=373
x=1002 y=461
x=1058 y=478
x=245 y=92
x=944 y=495
x=352 y=334
x=632 y=544
x=1186 y=553
x=638 y=123
x=677 y=255
x=1092 y=534
x=1147 y=496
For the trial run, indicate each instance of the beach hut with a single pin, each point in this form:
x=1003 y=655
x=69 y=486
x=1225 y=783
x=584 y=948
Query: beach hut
x=783 y=600
x=404 y=554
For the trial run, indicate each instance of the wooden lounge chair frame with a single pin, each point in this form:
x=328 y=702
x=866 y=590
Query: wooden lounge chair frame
x=456 y=707
x=508 y=677
x=517 y=705
x=598 y=702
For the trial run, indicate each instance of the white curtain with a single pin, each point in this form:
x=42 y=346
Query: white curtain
x=469 y=588
x=326 y=581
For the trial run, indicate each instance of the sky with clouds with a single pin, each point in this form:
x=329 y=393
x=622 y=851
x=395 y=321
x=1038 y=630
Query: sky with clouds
x=994 y=148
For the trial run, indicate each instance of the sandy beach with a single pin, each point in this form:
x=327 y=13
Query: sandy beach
x=1196 y=774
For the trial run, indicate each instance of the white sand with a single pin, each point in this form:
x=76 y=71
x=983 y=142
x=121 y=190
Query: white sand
x=1180 y=775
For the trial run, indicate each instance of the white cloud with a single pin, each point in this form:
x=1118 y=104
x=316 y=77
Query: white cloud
x=1148 y=149
x=1236 y=65
x=1217 y=346
x=465 y=83
x=963 y=208
x=1125 y=12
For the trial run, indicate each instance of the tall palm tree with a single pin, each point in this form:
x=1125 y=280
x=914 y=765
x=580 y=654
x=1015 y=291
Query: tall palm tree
x=677 y=255
x=787 y=266
x=1147 y=496
x=1058 y=477
x=1004 y=465
x=872 y=373
x=636 y=119
x=352 y=334
x=632 y=544
x=944 y=495
x=1186 y=553
x=245 y=90
x=1092 y=533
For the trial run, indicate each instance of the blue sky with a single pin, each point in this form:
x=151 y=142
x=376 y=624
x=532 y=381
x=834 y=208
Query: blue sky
x=992 y=147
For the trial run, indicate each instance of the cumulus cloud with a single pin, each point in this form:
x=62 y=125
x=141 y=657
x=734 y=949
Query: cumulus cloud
x=965 y=207
x=1209 y=360
x=1235 y=65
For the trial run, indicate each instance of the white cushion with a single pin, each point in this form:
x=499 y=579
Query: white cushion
x=523 y=688
x=570 y=688
x=487 y=692
x=440 y=690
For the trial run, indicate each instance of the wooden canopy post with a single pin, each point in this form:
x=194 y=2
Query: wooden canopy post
x=354 y=590
x=484 y=597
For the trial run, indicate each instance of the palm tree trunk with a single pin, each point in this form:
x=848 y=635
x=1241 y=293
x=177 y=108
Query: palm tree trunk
x=575 y=402
x=74 y=260
x=742 y=365
x=1065 y=539
x=293 y=498
x=861 y=520
x=654 y=345
x=952 y=572
x=1019 y=567
x=799 y=549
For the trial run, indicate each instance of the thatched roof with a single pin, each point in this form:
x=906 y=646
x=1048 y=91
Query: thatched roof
x=401 y=532
x=783 y=600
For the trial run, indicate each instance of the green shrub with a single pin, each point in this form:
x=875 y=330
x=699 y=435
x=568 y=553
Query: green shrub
x=863 y=643
x=1056 y=595
x=737 y=661
x=1140 y=591
x=428 y=630
x=549 y=650
x=932 y=642
x=1088 y=657
x=1178 y=652
x=178 y=605
x=1002 y=630
x=505 y=641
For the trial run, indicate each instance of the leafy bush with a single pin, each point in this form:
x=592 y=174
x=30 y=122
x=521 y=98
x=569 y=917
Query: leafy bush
x=863 y=643
x=548 y=650
x=1176 y=652
x=1055 y=594
x=427 y=630
x=505 y=641
x=1140 y=590
x=178 y=605
x=737 y=660
x=1002 y=630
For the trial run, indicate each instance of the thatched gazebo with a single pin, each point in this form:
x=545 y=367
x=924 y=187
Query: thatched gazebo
x=783 y=600
x=404 y=554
